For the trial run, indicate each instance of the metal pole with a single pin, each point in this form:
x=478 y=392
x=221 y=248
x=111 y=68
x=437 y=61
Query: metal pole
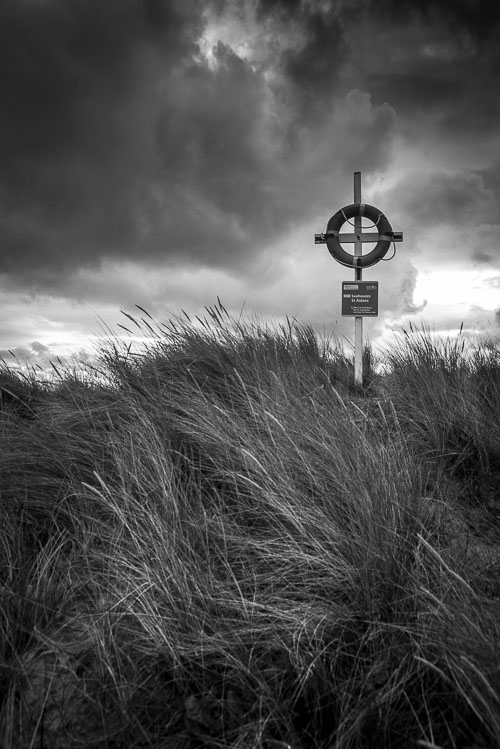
x=358 y=321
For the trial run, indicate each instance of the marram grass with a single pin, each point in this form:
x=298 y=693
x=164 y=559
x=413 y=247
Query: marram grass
x=221 y=542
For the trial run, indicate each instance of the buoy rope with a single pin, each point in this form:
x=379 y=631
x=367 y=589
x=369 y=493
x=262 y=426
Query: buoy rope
x=386 y=259
x=363 y=227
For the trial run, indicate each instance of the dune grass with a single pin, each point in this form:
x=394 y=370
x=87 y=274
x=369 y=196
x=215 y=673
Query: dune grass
x=221 y=542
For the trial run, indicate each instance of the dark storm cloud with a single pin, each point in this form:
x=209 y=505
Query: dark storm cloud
x=480 y=257
x=331 y=29
x=212 y=136
x=485 y=245
x=446 y=68
x=436 y=62
x=118 y=139
x=448 y=215
x=454 y=198
x=314 y=65
x=478 y=17
x=77 y=84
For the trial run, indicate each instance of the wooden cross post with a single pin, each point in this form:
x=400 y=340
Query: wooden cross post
x=358 y=275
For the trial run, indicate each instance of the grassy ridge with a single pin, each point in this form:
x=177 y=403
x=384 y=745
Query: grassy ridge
x=221 y=543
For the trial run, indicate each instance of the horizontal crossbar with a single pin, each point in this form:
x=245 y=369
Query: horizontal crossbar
x=396 y=236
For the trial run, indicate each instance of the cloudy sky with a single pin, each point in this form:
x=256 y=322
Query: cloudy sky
x=166 y=152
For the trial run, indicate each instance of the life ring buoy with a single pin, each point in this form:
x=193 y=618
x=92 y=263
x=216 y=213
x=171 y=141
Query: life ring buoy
x=385 y=235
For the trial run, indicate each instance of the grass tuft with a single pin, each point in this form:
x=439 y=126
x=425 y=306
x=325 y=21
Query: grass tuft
x=221 y=542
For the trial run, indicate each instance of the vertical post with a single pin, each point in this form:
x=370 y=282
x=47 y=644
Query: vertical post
x=358 y=321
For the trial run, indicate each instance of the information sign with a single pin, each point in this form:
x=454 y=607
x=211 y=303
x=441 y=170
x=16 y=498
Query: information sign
x=359 y=298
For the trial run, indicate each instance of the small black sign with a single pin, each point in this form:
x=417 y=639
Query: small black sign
x=359 y=298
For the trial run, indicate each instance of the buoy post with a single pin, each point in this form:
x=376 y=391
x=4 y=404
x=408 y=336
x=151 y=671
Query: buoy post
x=359 y=299
x=358 y=275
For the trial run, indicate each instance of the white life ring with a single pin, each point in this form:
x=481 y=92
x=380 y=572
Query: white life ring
x=385 y=235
